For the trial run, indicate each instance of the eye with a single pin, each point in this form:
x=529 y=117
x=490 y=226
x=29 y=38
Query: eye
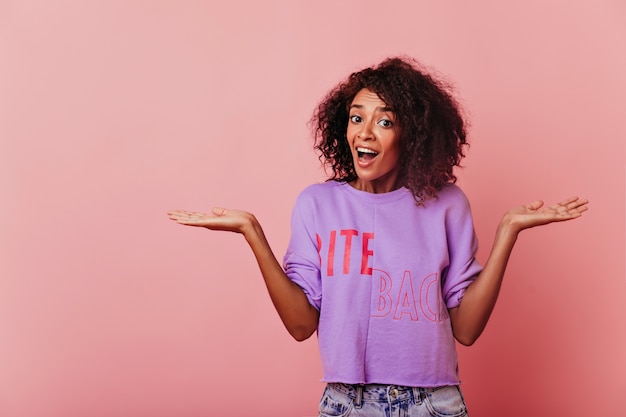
x=386 y=123
x=356 y=119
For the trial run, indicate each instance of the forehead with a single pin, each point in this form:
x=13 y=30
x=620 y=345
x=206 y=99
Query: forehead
x=368 y=97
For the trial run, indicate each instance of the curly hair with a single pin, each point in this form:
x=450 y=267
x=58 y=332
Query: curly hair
x=432 y=128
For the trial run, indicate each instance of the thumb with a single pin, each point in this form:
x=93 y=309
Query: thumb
x=535 y=205
x=218 y=211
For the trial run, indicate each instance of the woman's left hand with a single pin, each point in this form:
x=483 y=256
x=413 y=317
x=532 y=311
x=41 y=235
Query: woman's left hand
x=470 y=318
x=535 y=214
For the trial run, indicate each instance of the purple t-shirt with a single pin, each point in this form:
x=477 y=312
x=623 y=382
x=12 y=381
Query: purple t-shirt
x=383 y=271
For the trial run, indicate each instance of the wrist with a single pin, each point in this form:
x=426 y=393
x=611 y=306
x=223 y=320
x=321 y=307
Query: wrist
x=251 y=229
x=508 y=228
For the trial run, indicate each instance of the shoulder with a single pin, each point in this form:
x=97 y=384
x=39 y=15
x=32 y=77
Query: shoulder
x=452 y=194
x=316 y=191
x=450 y=200
x=456 y=207
x=315 y=201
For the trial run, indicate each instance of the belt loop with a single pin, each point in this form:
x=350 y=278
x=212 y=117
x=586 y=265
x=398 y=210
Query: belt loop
x=417 y=396
x=358 y=400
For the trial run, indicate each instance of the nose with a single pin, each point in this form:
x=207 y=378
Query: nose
x=365 y=132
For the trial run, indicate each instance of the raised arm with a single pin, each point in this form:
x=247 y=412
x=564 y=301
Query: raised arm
x=298 y=315
x=470 y=317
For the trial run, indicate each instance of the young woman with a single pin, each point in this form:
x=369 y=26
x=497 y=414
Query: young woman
x=381 y=261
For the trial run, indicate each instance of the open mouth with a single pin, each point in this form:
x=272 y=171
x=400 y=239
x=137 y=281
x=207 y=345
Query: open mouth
x=366 y=154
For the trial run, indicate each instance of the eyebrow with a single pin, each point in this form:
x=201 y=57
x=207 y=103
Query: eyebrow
x=383 y=109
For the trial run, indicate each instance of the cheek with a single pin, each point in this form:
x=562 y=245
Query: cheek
x=349 y=133
x=393 y=147
x=394 y=154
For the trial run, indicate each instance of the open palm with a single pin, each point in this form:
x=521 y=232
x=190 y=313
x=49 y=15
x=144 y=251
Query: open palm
x=218 y=219
x=535 y=214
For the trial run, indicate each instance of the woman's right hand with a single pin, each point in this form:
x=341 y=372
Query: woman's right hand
x=293 y=307
x=237 y=221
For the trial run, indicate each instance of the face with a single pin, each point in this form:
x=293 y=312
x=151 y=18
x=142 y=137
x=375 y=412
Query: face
x=375 y=144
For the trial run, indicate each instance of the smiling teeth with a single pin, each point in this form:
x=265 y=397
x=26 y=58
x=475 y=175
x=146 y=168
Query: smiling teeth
x=365 y=150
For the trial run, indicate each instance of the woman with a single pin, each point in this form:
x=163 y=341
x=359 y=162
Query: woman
x=381 y=261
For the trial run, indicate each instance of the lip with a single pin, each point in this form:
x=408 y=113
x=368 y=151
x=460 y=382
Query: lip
x=365 y=149
x=364 y=163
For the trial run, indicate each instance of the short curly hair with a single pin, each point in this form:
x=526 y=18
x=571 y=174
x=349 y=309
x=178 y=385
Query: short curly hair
x=432 y=127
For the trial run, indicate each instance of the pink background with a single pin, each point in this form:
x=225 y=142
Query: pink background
x=113 y=112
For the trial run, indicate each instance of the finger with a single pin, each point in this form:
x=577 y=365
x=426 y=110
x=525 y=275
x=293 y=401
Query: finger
x=177 y=214
x=180 y=213
x=218 y=211
x=568 y=201
x=582 y=208
x=571 y=202
x=187 y=217
x=535 y=205
x=578 y=205
x=174 y=215
x=573 y=210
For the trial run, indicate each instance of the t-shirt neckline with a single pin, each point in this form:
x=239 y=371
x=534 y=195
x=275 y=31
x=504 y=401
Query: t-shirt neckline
x=374 y=197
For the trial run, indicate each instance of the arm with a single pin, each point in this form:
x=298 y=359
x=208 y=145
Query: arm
x=298 y=315
x=470 y=317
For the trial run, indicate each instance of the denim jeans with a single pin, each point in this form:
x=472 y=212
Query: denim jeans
x=373 y=400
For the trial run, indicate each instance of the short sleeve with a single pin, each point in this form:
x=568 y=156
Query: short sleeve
x=462 y=247
x=302 y=260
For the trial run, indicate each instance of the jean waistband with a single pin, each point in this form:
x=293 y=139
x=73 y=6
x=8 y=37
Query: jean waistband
x=378 y=392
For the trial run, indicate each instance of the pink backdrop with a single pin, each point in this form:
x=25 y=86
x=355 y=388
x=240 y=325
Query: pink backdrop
x=113 y=112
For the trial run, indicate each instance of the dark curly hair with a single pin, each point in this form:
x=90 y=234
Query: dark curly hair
x=432 y=128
